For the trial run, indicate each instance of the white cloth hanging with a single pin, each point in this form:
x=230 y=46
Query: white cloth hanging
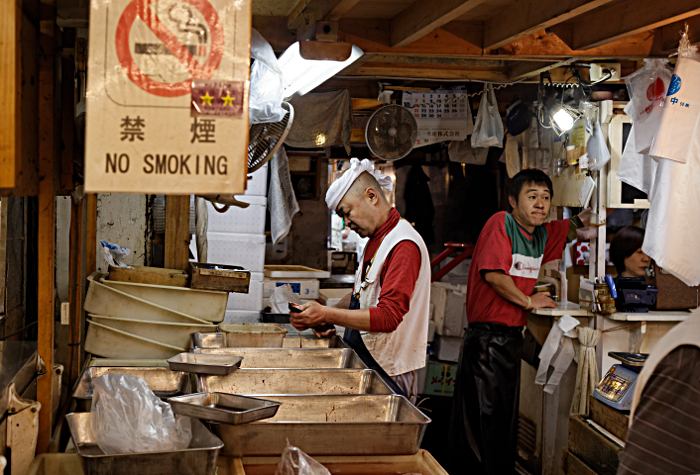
x=636 y=169
x=281 y=200
x=587 y=371
x=557 y=351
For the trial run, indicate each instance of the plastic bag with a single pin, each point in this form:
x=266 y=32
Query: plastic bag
x=488 y=129
x=597 y=150
x=114 y=254
x=126 y=417
x=647 y=89
x=266 y=82
x=296 y=462
x=282 y=295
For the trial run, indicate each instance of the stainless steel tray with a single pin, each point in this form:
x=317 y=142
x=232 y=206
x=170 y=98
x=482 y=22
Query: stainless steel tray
x=205 y=363
x=291 y=340
x=295 y=381
x=291 y=357
x=226 y=408
x=331 y=425
x=198 y=459
x=162 y=381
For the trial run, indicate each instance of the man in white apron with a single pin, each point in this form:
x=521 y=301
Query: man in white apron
x=664 y=434
x=386 y=316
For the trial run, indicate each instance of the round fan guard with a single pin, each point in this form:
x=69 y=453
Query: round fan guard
x=391 y=132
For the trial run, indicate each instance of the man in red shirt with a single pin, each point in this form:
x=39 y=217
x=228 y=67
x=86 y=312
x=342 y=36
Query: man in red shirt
x=391 y=299
x=502 y=277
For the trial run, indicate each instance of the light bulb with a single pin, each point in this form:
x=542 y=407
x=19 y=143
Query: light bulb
x=563 y=120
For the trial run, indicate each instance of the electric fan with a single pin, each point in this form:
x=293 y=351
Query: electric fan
x=391 y=132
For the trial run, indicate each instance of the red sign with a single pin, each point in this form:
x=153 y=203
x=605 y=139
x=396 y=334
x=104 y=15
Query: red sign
x=142 y=10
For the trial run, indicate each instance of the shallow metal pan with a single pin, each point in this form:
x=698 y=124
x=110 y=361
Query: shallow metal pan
x=162 y=381
x=331 y=425
x=295 y=381
x=291 y=357
x=225 y=408
x=205 y=363
x=198 y=459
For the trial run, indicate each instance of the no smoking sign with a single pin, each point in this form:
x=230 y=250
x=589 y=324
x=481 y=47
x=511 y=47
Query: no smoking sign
x=141 y=135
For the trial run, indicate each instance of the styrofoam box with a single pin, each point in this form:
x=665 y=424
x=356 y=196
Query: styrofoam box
x=245 y=250
x=253 y=300
x=304 y=288
x=450 y=312
x=257 y=183
x=446 y=348
x=242 y=316
x=250 y=220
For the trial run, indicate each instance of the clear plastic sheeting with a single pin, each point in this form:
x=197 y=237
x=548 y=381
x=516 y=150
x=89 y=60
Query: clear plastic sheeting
x=266 y=82
x=296 y=462
x=128 y=418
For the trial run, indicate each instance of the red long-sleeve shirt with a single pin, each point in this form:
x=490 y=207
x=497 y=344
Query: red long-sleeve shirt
x=397 y=278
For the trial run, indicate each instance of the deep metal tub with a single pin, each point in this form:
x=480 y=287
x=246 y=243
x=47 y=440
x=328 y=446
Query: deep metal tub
x=295 y=381
x=291 y=357
x=291 y=340
x=198 y=459
x=221 y=364
x=162 y=381
x=331 y=425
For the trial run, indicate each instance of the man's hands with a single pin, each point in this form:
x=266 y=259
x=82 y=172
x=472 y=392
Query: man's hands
x=542 y=300
x=585 y=217
x=313 y=316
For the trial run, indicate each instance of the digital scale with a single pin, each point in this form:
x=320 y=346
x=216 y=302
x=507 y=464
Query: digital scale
x=617 y=387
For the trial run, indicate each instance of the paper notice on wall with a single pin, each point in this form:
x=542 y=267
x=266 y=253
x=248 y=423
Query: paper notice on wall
x=441 y=115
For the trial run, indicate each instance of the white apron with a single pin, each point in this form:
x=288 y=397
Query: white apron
x=402 y=350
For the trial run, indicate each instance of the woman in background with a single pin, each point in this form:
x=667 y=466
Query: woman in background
x=626 y=252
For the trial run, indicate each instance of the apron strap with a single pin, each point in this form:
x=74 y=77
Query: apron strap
x=354 y=340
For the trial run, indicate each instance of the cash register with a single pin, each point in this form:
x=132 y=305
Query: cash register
x=617 y=387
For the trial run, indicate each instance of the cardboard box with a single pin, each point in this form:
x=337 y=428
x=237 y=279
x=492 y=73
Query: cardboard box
x=450 y=312
x=304 y=288
x=440 y=378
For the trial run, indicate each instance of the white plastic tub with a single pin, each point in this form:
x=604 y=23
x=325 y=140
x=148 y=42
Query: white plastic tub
x=250 y=220
x=253 y=301
x=245 y=250
x=175 y=334
x=108 y=342
x=202 y=304
x=102 y=299
x=304 y=288
x=253 y=335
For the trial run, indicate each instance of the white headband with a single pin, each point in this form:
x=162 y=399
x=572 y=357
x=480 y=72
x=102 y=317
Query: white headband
x=341 y=186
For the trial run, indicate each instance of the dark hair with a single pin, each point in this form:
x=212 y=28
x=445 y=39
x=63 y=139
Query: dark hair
x=625 y=243
x=527 y=176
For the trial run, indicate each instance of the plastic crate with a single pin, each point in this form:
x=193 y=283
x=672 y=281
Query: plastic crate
x=250 y=220
x=245 y=250
x=253 y=300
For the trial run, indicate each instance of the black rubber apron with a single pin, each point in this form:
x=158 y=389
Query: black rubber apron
x=354 y=340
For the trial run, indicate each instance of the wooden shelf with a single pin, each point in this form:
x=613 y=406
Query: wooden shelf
x=564 y=308
x=651 y=316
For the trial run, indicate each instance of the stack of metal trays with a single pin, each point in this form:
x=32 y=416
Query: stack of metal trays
x=293 y=339
x=198 y=459
x=331 y=425
x=335 y=358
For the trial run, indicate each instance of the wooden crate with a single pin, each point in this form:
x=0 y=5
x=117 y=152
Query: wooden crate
x=219 y=277
x=149 y=275
x=610 y=419
x=598 y=451
x=572 y=465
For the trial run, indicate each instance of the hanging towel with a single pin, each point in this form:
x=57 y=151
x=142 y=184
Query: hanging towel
x=587 y=372
x=321 y=119
x=280 y=198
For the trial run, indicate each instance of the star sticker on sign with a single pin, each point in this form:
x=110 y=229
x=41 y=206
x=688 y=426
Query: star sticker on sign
x=206 y=99
x=228 y=100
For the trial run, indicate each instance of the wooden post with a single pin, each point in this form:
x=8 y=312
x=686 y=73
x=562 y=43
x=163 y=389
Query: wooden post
x=177 y=232
x=91 y=235
x=47 y=219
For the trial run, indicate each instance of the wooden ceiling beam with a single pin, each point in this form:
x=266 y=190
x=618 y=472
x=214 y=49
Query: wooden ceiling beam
x=526 y=17
x=392 y=71
x=528 y=69
x=419 y=19
x=671 y=33
x=626 y=18
x=308 y=12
